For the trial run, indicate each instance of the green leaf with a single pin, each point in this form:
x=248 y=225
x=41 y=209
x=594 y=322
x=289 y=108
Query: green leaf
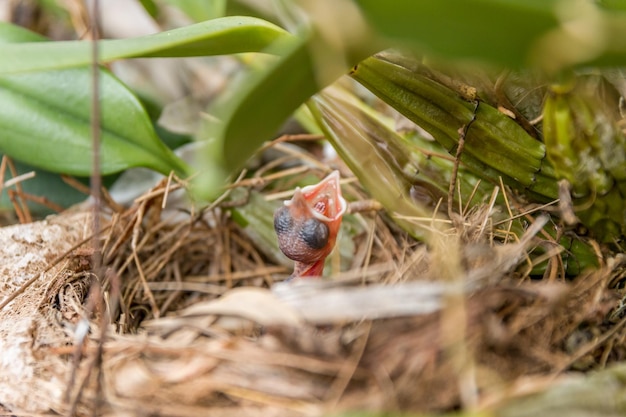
x=228 y=35
x=11 y=33
x=256 y=108
x=500 y=31
x=266 y=100
x=45 y=121
x=367 y=146
x=200 y=10
x=150 y=7
x=551 y=34
x=45 y=116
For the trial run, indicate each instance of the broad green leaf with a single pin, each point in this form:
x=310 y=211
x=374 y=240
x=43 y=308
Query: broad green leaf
x=228 y=35
x=612 y=4
x=45 y=183
x=11 y=33
x=553 y=34
x=256 y=108
x=45 y=115
x=200 y=10
x=500 y=31
x=45 y=121
x=266 y=100
x=150 y=7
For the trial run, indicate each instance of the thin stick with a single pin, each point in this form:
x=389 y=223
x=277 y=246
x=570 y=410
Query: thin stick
x=23 y=207
x=155 y=193
x=96 y=179
x=19 y=178
x=349 y=367
x=43 y=201
x=252 y=182
x=239 y=275
x=492 y=203
x=167 y=189
x=543 y=206
x=74 y=183
x=95 y=191
x=3 y=169
x=135 y=257
x=290 y=138
x=106 y=197
x=289 y=193
x=457 y=159
x=21 y=217
x=470 y=198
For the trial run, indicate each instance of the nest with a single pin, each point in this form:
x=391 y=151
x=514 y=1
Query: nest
x=182 y=315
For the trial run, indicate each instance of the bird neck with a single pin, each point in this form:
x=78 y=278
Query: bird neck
x=304 y=270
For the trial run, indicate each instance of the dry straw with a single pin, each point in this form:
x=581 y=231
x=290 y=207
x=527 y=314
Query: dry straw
x=204 y=326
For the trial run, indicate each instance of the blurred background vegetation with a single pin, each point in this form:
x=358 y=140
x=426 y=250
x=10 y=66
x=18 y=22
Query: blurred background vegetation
x=535 y=87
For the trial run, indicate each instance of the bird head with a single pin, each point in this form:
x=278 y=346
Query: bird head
x=307 y=225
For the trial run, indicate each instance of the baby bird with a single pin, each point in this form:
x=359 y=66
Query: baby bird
x=307 y=225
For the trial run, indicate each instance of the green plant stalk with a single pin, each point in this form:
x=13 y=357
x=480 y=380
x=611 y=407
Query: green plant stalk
x=359 y=139
x=568 y=124
x=495 y=146
x=407 y=179
x=589 y=151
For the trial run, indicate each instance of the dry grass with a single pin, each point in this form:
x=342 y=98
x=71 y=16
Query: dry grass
x=197 y=329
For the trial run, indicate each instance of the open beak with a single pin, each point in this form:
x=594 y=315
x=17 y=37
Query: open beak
x=322 y=201
x=308 y=224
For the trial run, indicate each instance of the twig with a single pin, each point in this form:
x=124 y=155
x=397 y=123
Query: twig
x=526 y=213
x=19 y=178
x=159 y=191
x=135 y=257
x=291 y=138
x=239 y=275
x=104 y=193
x=508 y=210
x=470 y=198
x=3 y=169
x=16 y=196
x=457 y=159
x=167 y=189
x=349 y=367
x=256 y=181
x=17 y=207
x=96 y=299
x=492 y=203
x=43 y=201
